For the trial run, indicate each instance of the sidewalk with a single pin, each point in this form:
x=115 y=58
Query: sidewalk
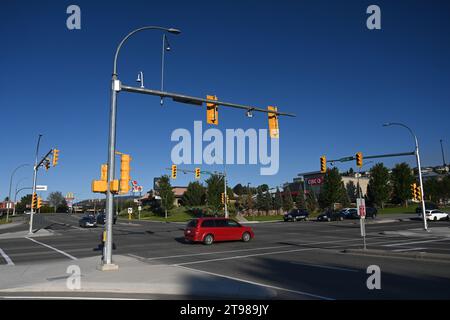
x=23 y=234
x=133 y=276
x=420 y=232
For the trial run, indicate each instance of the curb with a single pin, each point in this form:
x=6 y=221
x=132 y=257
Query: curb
x=424 y=256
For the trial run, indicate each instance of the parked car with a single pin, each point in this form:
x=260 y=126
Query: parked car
x=87 y=222
x=331 y=216
x=428 y=206
x=370 y=213
x=101 y=218
x=435 y=215
x=296 y=215
x=349 y=213
x=209 y=230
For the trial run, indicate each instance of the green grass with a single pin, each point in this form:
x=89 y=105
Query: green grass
x=176 y=215
x=3 y=221
x=398 y=210
x=264 y=218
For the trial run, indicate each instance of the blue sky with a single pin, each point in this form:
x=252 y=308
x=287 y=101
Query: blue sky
x=313 y=58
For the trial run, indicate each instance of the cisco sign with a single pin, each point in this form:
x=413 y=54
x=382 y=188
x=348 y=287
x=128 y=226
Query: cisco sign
x=315 y=181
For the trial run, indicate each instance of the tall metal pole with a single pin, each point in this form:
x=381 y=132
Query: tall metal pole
x=115 y=88
x=419 y=168
x=443 y=156
x=162 y=65
x=34 y=183
x=225 y=192
x=10 y=186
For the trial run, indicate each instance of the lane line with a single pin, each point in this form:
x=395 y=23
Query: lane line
x=415 y=242
x=242 y=257
x=260 y=284
x=7 y=259
x=53 y=248
x=325 y=267
x=405 y=250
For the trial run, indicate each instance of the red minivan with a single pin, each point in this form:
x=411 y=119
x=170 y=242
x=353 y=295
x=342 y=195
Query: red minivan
x=208 y=230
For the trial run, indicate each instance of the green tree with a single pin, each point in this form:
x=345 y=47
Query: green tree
x=311 y=202
x=166 y=193
x=351 y=191
x=402 y=178
x=214 y=190
x=56 y=200
x=333 y=190
x=278 y=200
x=239 y=189
x=300 y=202
x=288 y=203
x=378 y=189
x=23 y=203
x=195 y=194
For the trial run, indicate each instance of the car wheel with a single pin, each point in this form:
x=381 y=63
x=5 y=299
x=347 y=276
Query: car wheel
x=246 y=237
x=208 y=240
x=435 y=218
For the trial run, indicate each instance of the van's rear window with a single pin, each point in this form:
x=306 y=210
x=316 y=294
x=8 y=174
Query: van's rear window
x=192 y=224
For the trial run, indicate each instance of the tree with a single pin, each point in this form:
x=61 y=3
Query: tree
x=333 y=190
x=300 y=201
x=288 y=203
x=23 y=203
x=55 y=200
x=351 y=191
x=166 y=193
x=401 y=179
x=239 y=189
x=378 y=189
x=278 y=201
x=214 y=189
x=195 y=194
x=263 y=201
x=311 y=202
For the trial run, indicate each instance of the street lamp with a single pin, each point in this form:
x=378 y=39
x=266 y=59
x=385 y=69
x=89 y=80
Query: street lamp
x=115 y=88
x=10 y=185
x=425 y=226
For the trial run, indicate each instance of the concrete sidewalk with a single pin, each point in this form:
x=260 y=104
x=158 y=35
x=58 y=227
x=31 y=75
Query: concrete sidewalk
x=420 y=232
x=23 y=234
x=133 y=276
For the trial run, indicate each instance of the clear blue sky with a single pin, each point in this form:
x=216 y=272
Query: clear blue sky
x=314 y=58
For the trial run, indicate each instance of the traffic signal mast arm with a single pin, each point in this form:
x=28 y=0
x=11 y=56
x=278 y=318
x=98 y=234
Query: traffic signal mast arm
x=220 y=174
x=44 y=159
x=352 y=158
x=199 y=101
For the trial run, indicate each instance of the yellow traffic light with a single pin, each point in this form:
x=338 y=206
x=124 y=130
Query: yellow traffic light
x=47 y=165
x=197 y=173
x=174 y=171
x=104 y=172
x=418 y=194
x=99 y=186
x=359 y=159
x=414 y=191
x=55 y=156
x=212 y=113
x=273 y=123
x=125 y=173
x=222 y=197
x=39 y=202
x=114 y=186
x=323 y=164
x=34 y=201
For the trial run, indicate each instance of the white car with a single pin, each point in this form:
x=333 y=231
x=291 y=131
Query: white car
x=435 y=215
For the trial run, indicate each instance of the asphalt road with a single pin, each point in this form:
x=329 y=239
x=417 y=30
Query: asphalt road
x=303 y=258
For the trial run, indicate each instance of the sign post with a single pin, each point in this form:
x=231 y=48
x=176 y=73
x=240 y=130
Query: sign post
x=139 y=210
x=130 y=212
x=361 y=204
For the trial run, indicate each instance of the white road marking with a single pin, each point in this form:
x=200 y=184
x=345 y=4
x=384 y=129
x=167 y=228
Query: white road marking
x=405 y=250
x=50 y=247
x=260 y=284
x=325 y=267
x=242 y=257
x=5 y=256
x=415 y=242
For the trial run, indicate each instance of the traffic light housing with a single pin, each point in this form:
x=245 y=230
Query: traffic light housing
x=212 y=111
x=104 y=172
x=47 y=165
x=101 y=186
x=418 y=193
x=273 y=123
x=197 y=173
x=125 y=173
x=323 y=164
x=222 y=198
x=39 y=202
x=359 y=159
x=34 y=200
x=174 y=171
x=414 y=191
x=55 y=157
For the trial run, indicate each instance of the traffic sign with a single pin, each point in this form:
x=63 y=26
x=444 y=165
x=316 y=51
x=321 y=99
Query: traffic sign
x=361 y=206
x=130 y=210
x=41 y=188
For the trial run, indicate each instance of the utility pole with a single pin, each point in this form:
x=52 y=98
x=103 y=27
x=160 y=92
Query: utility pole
x=34 y=183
